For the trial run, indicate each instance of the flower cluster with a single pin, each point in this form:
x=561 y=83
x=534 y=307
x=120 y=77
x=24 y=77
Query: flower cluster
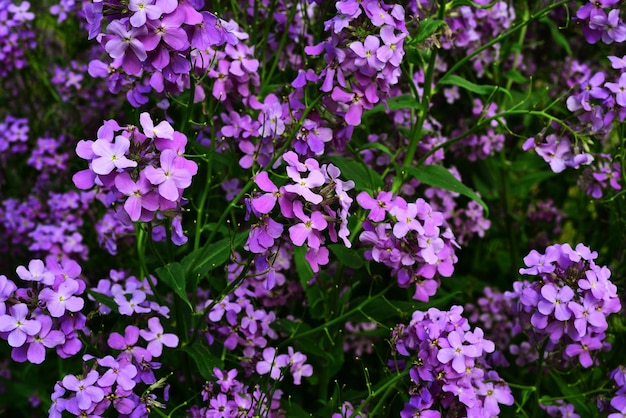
x=228 y=397
x=600 y=21
x=154 y=44
x=16 y=36
x=111 y=380
x=568 y=306
x=446 y=365
x=410 y=238
x=361 y=67
x=150 y=182
x=315 y=201
x=45 y=312
x=604 y=174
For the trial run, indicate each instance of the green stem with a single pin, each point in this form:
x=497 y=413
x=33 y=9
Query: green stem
x=387 y=387
x=338 y=319
x=502 y=36
x=425 y=101
x=246 y=188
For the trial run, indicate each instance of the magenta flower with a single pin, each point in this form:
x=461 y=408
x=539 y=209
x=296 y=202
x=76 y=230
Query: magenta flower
x=556 y=300
x=111 y=156
x=167 y=30
x=170 y=176
x=619 y=89
x=18 y=326
x=303 y=186
x=366 y=52
x=86 y=392
x=63 y=299
x=156 y=338
x=309 y=229
x=140 y=195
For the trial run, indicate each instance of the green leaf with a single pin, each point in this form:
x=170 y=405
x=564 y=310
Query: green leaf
x=104 y=299
x=480 y=89
x=173 y=275
x=364 y=178
x=349 y=257
x=426 y=28
x=204 y=359
x=405 y=101
x=305 y=272
x=556 y=35
x=439 y=176
x=212 y=256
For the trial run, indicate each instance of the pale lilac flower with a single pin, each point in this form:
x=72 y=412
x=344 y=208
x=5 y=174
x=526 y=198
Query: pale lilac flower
x=163 y=130
x=18 y=326
x=170 y=176
x=143 y=9
x=122 y=373
x=57 y=302
x=156 y=338
x=86 y=392
x=37 y=272
x=111 y=156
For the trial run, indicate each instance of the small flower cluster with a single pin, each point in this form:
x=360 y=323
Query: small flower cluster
x=568 y=306
x=447 y=366
x=545 y=221
x=150 y=182
x=130 y=295
x=276 y=365
x=479 y=147
x=468 y=221
x=112 y=383
x=228 y=397
x=558 y=151
x=316 y=201
x=410 y=238
x=45 y=313
x=153 y=45
x=603 y=174
x=361 y=66
x=618 y=402
x=48 y=225
x=13 y=135
x=600 y=21
x=16 y=36
x=471 y=27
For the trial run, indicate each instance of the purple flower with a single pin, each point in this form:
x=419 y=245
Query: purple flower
x=555 y=300
x=156 y=338
x=140 y=195
x=272 y=363
x=619 y=89
x=163 y=130
x=170 y=176
x=124 y=44
x=143 y=9
x=36 y=350
x=457 y=352
x=37 y=272
x=309 y=229
x=303 y=186
x=111 y=156
x=86 y=392
x=123 y=373
x=18 y=326
x=57 y=302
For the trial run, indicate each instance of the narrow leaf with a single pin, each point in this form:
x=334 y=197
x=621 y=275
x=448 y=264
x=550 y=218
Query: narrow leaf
x=212 y=256
x=204 y=359
x=440 y=177
x=480 y=89
x=364 y=177
x=173 y=275
x=349 y=257
x=107 y=301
